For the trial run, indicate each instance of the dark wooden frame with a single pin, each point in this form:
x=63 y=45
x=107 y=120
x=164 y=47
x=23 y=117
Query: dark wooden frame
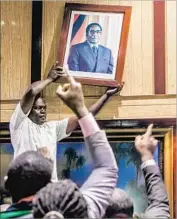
x=69 y=7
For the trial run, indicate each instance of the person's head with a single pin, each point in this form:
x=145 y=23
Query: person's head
x=53 y=215
x=38 y=111
x=27 y=174
x=121 y=205
x=63 y=197
x=93 y=33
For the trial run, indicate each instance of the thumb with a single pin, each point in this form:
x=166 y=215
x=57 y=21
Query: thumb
x=60 y=92
x=66 y=69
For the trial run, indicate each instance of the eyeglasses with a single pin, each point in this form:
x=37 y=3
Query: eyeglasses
x=39 y=107
x=95 y=31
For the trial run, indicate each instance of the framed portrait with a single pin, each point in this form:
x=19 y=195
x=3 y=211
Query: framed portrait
x=93 y=42
x=74 y=160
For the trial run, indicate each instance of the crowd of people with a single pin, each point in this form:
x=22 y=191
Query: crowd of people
x=32 y=177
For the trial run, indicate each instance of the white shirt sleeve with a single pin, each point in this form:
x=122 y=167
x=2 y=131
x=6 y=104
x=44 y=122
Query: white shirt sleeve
x=17 y=117
x=61 y=127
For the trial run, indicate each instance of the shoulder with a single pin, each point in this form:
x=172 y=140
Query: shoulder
x=105 y=48
x=51 y=123
x=18 y=117
x=55 y=123
x=79 y=45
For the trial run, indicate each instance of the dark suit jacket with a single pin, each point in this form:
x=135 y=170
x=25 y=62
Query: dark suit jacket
x=158 y=204
x=81 y=58
x=100 y=185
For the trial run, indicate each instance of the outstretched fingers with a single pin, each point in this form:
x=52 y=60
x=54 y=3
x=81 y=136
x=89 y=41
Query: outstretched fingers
x=149 y=131
x=70 y=78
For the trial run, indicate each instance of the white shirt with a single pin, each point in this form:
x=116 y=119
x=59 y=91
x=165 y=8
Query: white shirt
x=26 y=135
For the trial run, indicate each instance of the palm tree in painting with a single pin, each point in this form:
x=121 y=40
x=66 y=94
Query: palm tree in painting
x=71 y=156
x=126 y=151
x=134 y=157
x=120 y=152
x=129 y=154
x=73 y=160
x=65 y=173
x=80 y=161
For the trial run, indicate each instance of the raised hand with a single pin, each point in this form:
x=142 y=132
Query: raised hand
x=145 y=144
x=56 y=72
x=71 y=93
x=111 y=91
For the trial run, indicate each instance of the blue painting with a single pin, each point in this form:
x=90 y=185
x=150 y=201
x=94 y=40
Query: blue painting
x=74 y=162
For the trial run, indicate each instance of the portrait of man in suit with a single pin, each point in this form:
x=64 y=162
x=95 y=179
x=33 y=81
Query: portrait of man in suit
x=90 y=56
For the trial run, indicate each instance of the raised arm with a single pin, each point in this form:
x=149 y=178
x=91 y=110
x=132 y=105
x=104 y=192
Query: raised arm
x=158 y=204
x=99 y=187
x=33 y=90
x=96 y=107
x=37 y=87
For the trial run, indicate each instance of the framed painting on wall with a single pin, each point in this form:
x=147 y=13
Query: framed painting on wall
x=74 y=161
x=93 y=42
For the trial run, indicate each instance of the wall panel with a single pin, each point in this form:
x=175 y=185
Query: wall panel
x=15 y=48
x=147 y=48
x=170 y=47
x=160 y=106
x=136 y=83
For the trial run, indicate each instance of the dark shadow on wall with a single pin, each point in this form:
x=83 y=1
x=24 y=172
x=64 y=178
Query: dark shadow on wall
x=36 y=42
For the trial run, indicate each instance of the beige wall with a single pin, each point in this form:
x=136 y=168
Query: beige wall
x=137 y=98
x=15 y=48
x=15 y=53
x=171 y=47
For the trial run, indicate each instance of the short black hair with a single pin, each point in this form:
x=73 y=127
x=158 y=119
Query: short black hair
x=27 y=174
x=63 y=196
x=39 y=96
x=92 y=24
x=120 y=202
